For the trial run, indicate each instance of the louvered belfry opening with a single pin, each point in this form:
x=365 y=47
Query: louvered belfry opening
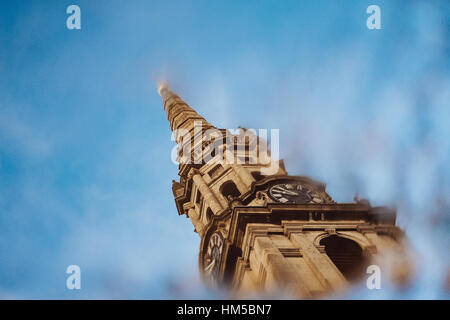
x=346 y=254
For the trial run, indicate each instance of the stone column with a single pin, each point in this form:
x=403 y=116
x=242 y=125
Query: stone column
x=244 y=175
x=321 y=265
x=391 y=255
x=243 y=178
x=194 y=216
x=207 y=194
x=284 y=275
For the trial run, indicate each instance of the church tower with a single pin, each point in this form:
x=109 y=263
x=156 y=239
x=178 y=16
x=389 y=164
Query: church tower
x=263 y=230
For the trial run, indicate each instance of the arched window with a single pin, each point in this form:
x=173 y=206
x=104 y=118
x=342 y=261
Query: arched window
x=346 y=254
x=229 y=190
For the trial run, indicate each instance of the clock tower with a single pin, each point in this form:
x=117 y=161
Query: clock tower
x=264 y=231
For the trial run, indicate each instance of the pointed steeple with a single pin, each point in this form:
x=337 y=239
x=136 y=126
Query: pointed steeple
x=179 y=113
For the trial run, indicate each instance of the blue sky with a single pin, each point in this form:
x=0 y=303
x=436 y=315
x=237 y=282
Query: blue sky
x=85 y=170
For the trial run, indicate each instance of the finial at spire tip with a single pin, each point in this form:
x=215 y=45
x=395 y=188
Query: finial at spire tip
x=162 y=86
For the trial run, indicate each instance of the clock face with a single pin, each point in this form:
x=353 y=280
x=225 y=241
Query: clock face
x=213 y=256
x=294 y=193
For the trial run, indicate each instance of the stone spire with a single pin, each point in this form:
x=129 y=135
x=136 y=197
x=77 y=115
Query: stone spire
x=179 y=114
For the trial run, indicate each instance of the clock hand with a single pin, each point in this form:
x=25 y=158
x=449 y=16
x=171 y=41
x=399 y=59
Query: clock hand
x=291 y=193
x=284 y=191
